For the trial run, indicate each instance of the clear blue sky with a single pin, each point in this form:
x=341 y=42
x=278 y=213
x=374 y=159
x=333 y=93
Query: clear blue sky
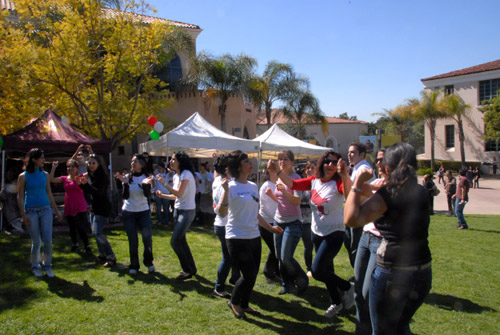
x=361 y=56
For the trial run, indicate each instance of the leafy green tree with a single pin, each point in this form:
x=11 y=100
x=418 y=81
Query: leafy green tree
x=222 y=77
x=427 y=109
x=344 y=116
x=454 y=107
x=94 y=65
x=276 y=83
x=491 y=118
x=301 y=108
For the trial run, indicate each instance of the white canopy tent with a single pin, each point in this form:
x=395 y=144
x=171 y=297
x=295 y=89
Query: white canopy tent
x=276 y=139
x=198 y=138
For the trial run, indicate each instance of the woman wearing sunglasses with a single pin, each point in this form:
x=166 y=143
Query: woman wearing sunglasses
x=328 y=187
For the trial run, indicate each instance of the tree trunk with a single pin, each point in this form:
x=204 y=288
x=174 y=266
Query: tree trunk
x=222 y=113
x=432 y=128
x=268 y=115
x=461 y=138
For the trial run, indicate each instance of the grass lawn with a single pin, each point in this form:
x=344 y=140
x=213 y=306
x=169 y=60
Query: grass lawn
x=86 y=298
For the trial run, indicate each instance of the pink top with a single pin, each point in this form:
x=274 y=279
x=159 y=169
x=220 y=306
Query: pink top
x=74 y=200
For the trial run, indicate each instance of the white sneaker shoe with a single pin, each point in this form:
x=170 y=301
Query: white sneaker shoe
x=132 y=272
x=151 y=269
x=349 y=297
x=37 y=272
x=333 y=310
x=49 y=272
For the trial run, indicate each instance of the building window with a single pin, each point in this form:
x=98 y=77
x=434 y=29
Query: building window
x=450 y=136
x=171 y=73
x=490 y=145
x=449 y=89
x=246 y=134
x=121 y=150
x=488 y=89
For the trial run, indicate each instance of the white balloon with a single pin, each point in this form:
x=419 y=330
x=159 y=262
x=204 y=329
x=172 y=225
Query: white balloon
x=158 y=126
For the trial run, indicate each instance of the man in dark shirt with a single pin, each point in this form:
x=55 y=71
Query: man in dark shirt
x=450 y=188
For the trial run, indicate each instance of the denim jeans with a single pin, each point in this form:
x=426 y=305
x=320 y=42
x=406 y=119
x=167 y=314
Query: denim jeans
x=459 y=212
x=327 y=247
x=162 y=215
x=183 y=220
x=451 y=204
x=105 y=250
x=271 y=267
x=134 y=222
x=246 y=255
x=366 y=260
x=226 y=262
x=40 y=229
x=308 y=245
x=285 y=245
x=395 y=296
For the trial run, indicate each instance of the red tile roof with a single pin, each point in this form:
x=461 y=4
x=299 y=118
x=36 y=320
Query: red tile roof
x=278 y=118
x=490 y=66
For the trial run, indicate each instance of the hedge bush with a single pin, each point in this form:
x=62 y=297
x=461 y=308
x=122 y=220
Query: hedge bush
x=453 y=166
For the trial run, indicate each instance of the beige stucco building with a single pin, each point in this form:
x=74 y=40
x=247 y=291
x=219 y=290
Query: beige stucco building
x=474 y=85
x=340 y=134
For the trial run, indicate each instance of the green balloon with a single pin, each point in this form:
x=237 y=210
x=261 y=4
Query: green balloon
x=154 y=135
x=1 y=142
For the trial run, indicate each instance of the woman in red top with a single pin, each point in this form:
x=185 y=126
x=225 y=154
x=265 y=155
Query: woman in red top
x=75 y=206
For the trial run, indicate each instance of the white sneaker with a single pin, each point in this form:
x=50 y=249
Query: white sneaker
x=132 y=272
x=37 y=272
x=151 y=269
x=49 y=272
x=349 y=297
x=333 y=310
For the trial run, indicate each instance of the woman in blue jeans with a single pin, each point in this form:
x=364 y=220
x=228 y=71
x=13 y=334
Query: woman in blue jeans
x=328 y=189
x=34 y=198
x=183 y=192
x=136 y=215
x=96 y=183
x=403 y=276
x=288 y=217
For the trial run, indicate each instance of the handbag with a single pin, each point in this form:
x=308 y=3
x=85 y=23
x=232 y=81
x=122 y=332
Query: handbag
x=435 y=191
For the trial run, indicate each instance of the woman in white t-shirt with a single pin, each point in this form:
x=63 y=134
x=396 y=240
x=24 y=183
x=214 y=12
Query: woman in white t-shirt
x=240 y=202
x=268 y=204
x=183 y=192
x=136 y=213
x=328 y=190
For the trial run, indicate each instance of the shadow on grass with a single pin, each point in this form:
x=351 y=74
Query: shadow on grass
x=66 y=289
x=297 y=309
x=485 y=230
x=14 y=297
x=452 y=303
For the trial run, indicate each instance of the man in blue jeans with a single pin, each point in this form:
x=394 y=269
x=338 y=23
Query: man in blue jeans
x=461 y=198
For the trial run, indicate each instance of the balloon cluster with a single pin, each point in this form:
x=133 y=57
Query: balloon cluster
x=158 y=128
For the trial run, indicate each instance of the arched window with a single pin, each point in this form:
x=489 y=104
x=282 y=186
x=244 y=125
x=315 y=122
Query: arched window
x=329 y=143
x=171 y=73
x=246 y=134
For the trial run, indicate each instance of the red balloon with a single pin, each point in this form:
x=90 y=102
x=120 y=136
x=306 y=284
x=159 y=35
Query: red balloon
x=152 y=120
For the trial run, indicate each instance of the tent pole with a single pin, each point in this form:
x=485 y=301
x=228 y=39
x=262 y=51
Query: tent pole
x=259 y=157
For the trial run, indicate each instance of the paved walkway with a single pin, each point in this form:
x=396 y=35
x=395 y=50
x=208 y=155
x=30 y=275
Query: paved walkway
x=482 y=200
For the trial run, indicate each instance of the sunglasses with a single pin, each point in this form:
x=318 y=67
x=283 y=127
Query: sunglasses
x=378 y=160
x=328 y=161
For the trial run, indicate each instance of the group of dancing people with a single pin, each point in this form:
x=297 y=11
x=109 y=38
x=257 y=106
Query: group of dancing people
x=382 y=222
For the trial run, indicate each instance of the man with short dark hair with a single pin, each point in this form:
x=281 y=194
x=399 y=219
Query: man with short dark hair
x=450 y=188
x=356 y=156
x=461 y=198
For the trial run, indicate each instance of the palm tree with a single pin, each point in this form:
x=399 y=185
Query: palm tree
x=222 y=77
x=427 y=109
x=276 y=83
x=456 y=108
x=302 y=107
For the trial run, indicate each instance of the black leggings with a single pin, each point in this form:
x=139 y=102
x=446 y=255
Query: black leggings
x=78 y=224
x=246 y=256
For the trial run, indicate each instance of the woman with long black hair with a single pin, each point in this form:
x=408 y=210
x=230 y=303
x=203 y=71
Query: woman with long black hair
x=96 y=183
x=400 y=209
x=34 y=198
x=136 y=214
x=183 y=192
